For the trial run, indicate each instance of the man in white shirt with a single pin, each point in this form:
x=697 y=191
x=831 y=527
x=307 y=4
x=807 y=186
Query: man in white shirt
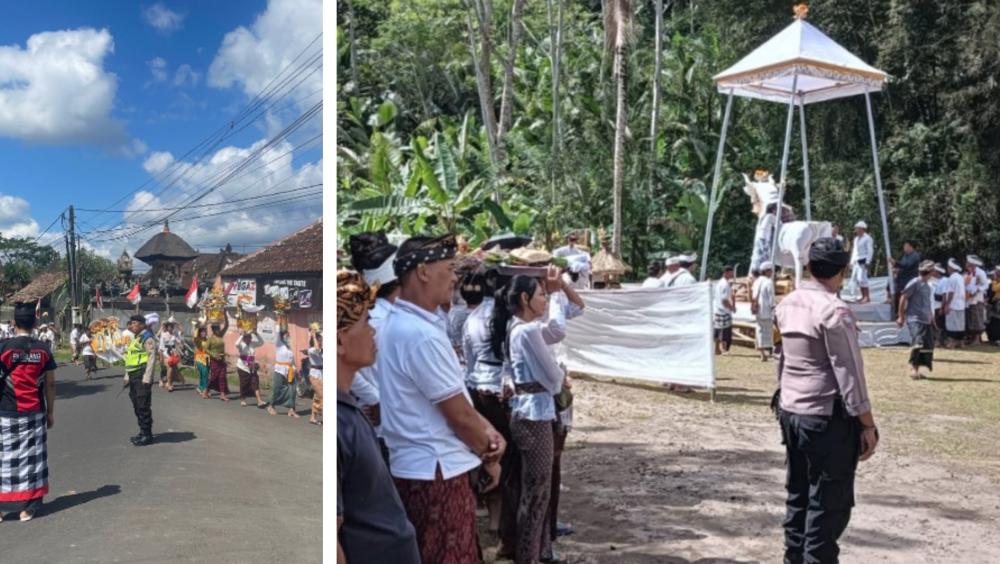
x=577 y=275
x=762 y=296
x=724 y=306
x=939 y=287
x=862 y=252
x=654 y=271
x=372 y=255
x=74 y=339
x=570 y=248
x=435 y=436
x=672 y=268
x=46 y=335
x=954 y=305
x=975 y=311
x=684 y=276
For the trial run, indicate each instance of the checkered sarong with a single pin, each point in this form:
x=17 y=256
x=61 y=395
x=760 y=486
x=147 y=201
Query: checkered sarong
x=24 y=469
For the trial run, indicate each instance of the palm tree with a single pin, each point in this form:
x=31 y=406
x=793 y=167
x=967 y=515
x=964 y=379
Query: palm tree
x=617 y=28
x=654 y=121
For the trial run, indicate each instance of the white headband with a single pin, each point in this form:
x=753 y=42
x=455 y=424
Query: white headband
x=974 y=260
x=940 y=269
x=952 y=263
x=384 y=274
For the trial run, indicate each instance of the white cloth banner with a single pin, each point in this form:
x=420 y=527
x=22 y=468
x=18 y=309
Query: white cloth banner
x=657 y=334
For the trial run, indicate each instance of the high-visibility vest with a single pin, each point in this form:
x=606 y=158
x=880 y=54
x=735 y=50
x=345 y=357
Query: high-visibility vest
x=136 y=355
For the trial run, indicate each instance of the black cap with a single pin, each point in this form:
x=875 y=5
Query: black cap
x=138 y=318
x=827 y=250
x=727 y=268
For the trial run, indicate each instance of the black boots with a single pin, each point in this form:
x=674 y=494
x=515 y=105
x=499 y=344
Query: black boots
x=142 y=439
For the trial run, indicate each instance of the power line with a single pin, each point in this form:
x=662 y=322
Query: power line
x=259 y=99
x=140 y=229
x=231 y=172
x=208 y=205
x=124 y=223
x=50 y=225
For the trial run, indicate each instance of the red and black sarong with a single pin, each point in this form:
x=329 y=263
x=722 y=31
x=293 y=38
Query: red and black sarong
x=443 y=512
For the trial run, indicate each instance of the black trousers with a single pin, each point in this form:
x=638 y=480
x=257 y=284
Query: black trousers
x=822 y=457
x=142 y=401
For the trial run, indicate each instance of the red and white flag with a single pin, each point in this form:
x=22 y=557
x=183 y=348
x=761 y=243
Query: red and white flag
x=191 y=297
x=135 y=296
x=99 y=300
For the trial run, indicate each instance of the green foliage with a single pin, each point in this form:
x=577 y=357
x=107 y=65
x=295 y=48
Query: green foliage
x=22 y=259
x=413 y=158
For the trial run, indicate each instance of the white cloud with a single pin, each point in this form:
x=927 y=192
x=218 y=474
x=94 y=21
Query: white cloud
x=165 y=20
x=185 y=75
x=157 y=162
x=251 y=58
x=136 y=148
x=15 y=217
x=56 y=90
x=158 y=68
x=244 y=222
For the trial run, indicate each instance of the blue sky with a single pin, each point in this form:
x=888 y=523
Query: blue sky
x=97 y=98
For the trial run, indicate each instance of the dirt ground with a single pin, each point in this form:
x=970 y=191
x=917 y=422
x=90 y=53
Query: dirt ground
x=654 y=476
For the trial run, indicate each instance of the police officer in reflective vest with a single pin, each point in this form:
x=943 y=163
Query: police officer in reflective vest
x=822 y=403
x=140 y=358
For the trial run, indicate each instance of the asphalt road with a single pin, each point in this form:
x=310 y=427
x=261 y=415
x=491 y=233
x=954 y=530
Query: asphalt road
x=222 y=483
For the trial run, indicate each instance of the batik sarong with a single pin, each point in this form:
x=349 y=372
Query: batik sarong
x=443 y=512
x=249 y=383
x=975 y=322
x=217 y=376
x=534 y=442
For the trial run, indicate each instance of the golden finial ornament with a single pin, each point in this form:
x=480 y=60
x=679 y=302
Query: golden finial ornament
x=801 y=10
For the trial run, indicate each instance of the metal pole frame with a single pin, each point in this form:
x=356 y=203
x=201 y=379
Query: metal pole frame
x=715 y=186
x=805 y=158
x=784 y=167
x=878 y=188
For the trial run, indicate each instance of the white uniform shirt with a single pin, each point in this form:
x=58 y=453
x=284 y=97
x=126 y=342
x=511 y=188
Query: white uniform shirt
x=417 y=370
x=315 y=363
x=283 y=355
x=653 y=282
x=86 y=349
x=723 y=292
x=980 y=284
x=683 y=278
x=763 y=293
x=74 y=338
x=938 y=287
x=956 y=286
x=247 y=350
x=863 y=249
x=365 y=385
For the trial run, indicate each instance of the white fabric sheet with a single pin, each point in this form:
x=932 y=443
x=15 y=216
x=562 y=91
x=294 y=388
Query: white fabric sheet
x=655 y=334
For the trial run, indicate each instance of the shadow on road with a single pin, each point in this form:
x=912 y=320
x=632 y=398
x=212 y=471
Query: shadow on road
x=174 y=437
x=68 y=389
x=64 y=502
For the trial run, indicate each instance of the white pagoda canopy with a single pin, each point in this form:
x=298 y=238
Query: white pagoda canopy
x=801 y=54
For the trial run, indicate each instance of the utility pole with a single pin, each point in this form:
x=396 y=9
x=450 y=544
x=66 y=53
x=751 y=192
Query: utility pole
x=74 y=276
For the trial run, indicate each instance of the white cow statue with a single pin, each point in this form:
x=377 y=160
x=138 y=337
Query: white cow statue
x=794 y=237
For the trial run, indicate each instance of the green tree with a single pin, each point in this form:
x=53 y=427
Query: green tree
x=22 y=259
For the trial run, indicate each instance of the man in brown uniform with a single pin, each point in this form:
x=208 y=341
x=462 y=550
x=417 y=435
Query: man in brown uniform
x=822 y=404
